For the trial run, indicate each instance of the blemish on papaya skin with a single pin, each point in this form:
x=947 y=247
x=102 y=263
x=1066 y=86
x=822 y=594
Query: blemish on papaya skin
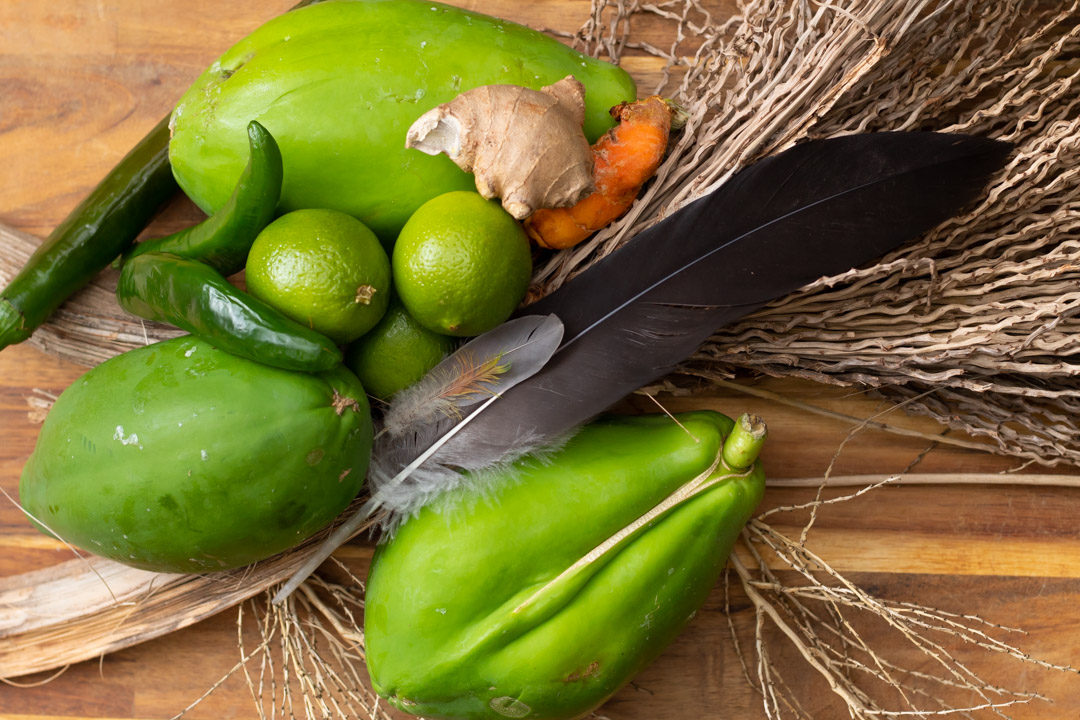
x=509 y=707
x=289 y=515
x=224 y=72
x=340 y=402
x=578 y=675
x=344 y=474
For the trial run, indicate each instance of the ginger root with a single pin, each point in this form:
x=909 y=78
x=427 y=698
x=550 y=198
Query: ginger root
x=626 y=156
x=526 y=147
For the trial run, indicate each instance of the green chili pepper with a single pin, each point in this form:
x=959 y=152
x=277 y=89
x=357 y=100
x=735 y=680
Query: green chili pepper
x=195 y=297
x=223 y=240
x=96 y=232
x=543 y=598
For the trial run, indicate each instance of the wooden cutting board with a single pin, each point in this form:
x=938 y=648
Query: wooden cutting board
x=82 y=80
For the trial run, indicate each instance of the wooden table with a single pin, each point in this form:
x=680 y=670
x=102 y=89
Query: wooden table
x=81 y=81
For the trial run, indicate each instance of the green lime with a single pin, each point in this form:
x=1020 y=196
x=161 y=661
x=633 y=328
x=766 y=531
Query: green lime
x=322 y=268
x=461 y=264
x=396 y=353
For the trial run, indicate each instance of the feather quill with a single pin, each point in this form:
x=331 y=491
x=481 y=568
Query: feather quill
x=407 y=467
x=817 y=209
x=409 y=464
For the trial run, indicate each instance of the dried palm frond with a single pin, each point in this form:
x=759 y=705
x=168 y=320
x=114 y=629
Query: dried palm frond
x=977 y=324
x=836 y=627
x=89 y=606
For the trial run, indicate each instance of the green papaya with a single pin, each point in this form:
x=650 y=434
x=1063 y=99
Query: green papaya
x=179 y=457
x=541 y=600
x=339 y=82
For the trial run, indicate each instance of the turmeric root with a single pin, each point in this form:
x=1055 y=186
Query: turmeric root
x=526 y=147
x=624 y=158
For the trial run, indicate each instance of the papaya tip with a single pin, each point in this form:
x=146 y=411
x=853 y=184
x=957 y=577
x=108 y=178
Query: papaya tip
x=743 y=445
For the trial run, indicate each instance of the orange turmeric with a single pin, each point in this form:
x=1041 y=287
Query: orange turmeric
x=623 y=159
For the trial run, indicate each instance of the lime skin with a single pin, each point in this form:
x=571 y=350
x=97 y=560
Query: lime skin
x=322 y=268
x=396 y=353
x=461 y=264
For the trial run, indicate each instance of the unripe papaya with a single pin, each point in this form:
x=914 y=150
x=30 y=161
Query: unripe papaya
x=339 y=82
x=178 y=457
x=541 y=600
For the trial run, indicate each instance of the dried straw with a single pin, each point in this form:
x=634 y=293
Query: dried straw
x=826 y=619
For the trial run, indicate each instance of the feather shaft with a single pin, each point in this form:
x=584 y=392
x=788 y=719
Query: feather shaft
x=378 y=496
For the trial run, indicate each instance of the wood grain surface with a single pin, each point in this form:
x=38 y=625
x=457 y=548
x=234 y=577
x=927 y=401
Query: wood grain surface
x=82 y=80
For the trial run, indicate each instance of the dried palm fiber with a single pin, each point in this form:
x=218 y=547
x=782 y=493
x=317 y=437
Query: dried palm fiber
x=976 y=324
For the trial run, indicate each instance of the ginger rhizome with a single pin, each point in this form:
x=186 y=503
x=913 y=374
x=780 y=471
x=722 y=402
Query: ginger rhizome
x=524 y=146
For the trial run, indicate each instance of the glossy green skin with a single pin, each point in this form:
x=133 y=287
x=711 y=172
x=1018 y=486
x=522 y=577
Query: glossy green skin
x=443 y=636
x=437 y=258
x=177 y=457
x=312 y=266
x=397 y=330
x=195 y=297
x=102 y=227
x=222 y=240
x=338 y=84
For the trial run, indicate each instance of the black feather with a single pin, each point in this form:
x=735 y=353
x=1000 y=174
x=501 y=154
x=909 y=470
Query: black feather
x=818 y=209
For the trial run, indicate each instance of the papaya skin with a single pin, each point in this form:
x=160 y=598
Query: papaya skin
x=338 y=84
x=178 y=457
x=483 y=608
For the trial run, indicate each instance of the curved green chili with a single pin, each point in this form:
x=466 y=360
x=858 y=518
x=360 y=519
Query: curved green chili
x=195 y=297
x=96 y=232
x=223 y=240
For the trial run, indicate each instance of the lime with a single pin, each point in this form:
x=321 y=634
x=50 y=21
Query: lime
x=461 y=264
x=322 y=268
x=396 y=353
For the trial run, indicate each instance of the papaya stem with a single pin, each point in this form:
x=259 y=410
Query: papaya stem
x=743 y=445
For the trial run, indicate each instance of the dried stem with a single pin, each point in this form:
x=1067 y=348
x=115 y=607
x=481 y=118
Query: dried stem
x=980 y=479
